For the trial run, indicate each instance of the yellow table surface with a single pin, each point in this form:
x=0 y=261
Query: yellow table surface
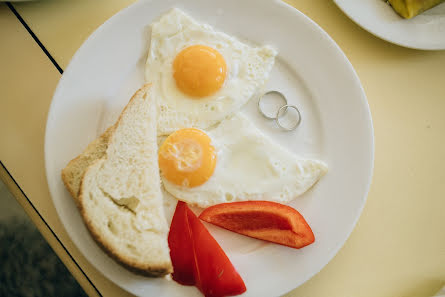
x=398 y=245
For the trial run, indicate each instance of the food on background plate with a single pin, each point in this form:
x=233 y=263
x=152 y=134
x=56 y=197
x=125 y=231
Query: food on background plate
x=198 y=259
x=233 y=161
x=264 y=220
x=199 y=75
x=120 y=197
x=411 y=8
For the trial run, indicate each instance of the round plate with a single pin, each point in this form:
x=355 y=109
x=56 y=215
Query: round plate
x=310 y=70
x=425 y=31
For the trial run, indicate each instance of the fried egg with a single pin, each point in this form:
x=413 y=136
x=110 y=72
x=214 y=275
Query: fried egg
x=204 y=168
x=199 y=75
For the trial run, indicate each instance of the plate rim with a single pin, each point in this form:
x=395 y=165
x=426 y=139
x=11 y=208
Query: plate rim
x=305 y=18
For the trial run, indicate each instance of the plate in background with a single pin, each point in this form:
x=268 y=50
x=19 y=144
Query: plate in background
x=425 y=31
x=310 y=69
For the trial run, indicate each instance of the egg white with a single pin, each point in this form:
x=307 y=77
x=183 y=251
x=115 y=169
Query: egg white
x=250 y=166
x=248 y=69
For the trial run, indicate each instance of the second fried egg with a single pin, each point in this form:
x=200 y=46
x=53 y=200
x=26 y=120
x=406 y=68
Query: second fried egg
x=233 y=161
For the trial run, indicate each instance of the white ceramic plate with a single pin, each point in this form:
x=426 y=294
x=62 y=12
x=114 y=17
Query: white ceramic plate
x=310 y=69
x=425 y=31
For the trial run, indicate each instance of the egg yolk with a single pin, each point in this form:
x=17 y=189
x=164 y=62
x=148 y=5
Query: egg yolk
x=199 y=70
x=187 y=158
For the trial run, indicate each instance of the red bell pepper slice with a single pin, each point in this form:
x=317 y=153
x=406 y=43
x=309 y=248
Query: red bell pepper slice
x=181 y=248
x=264 y=220
x=217 y=276
x=198 y=259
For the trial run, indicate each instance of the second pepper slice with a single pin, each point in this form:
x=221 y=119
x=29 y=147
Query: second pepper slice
x=264 y=220
x=198 y=259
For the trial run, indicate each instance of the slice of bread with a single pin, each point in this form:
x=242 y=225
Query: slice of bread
x=119 y=195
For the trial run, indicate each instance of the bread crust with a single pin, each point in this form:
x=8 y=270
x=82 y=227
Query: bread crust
x=69 y=172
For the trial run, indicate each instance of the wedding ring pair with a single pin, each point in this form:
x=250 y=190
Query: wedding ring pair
x=279 y=114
